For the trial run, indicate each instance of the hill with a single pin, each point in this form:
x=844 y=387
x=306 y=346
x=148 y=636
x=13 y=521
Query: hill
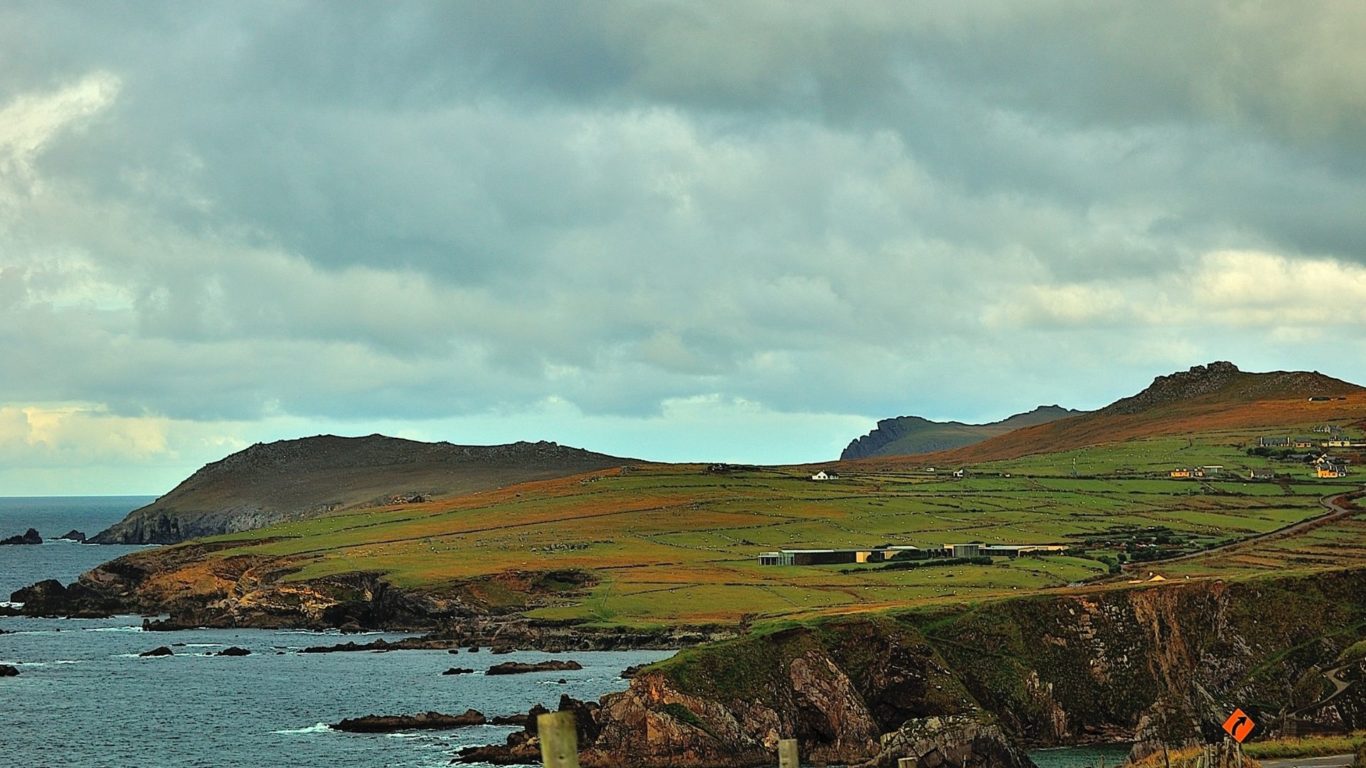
x=637 y=547
x=297 y=479
x=905 y=435
x=1206 y=398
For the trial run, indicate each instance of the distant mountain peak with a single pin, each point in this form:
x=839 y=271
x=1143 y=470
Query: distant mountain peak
x=905 y=435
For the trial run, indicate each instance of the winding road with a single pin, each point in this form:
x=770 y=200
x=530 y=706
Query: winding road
x=1336 y=511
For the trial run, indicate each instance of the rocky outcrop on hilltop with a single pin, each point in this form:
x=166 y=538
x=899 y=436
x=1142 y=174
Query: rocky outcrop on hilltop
x=27 y=537
x=963 y=687
x=1223 y=377
x=270 y=483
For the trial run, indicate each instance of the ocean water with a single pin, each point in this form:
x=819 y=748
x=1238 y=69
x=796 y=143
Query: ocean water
x=83 y=697
x=53 y=516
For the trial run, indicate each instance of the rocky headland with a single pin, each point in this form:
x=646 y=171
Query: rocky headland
x=974 y=686
x=270 y=483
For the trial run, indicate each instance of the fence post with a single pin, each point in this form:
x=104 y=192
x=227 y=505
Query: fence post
x=559 y=740
x=787 y=754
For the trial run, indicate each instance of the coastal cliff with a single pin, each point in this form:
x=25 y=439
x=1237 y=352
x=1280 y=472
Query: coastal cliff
x=972 y=685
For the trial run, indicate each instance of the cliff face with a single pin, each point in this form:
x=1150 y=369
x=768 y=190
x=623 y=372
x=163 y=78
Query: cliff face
x=294 y=479
x=966 y=687
x=905 y=435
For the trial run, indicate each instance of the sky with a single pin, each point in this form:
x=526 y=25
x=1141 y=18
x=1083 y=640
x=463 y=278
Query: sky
x=738 y=231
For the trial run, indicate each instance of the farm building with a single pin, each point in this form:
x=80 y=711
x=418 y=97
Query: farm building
x=1183 y=472
x=1022 y=550
x=885 y=553
x=1330 y=470
x=823 y=475
x=1306 y=442
x=1273 y=442
x=1261 y=474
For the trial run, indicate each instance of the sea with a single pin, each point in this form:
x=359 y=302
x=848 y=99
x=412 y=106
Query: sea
x=84 y=698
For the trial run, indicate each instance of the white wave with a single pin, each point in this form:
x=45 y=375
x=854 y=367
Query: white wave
x=203 y=645
x=127 y=628
x=315 y=728
x=7 y=604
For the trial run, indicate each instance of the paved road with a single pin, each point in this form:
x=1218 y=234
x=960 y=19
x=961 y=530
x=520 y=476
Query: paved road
x=1331 y=761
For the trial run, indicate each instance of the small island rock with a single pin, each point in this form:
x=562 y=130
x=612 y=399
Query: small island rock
x=424 y=721
x=233 y=651
x=8 y=671
x=28 y=537
x=518 y=668
x=160 y=651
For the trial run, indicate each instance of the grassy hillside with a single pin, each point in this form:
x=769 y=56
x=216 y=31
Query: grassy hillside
x=658 y=545
x=677 y=544
x=912 y=434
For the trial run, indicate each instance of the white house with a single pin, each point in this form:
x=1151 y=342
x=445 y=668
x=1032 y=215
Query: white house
x=823 y=475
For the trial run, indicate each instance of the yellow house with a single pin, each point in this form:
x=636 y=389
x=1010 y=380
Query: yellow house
x=1180 y=473
x=1330 y=471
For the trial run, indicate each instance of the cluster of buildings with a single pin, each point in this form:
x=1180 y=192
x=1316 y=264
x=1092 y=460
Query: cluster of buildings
x=889 y=552
x=1325 y=437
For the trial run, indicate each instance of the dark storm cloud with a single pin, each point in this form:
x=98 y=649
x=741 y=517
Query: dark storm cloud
x=432 y=209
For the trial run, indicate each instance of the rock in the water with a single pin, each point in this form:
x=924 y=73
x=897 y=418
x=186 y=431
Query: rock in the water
x=457 y=671
x=28 y=537
x=73 y=535
x=233 y=651
x=50 y=598
x=8 y=671
x=518 y=668
x=502 y=650
x=424 y=721
x=161 y=651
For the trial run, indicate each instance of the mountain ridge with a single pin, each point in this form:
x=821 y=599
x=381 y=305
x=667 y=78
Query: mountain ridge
x=1213 y=396
x=904 y=435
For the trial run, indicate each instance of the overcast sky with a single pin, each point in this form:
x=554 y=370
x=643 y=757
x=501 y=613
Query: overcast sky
x=669 y=230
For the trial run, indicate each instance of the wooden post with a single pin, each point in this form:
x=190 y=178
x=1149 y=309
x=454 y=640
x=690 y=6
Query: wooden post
x=559 y=740
x=787 y=754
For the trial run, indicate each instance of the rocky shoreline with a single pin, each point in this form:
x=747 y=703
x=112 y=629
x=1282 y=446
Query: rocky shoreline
x=973 y=687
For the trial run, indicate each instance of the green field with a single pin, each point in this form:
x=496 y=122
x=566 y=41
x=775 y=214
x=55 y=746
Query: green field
x=678 y=544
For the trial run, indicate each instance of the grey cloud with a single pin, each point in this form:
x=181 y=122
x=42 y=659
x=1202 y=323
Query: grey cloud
x=431 y=209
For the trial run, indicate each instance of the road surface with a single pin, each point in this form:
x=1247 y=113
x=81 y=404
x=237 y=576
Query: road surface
x=1331 y=761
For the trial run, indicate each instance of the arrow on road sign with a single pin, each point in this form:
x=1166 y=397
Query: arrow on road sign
x=1239 y=725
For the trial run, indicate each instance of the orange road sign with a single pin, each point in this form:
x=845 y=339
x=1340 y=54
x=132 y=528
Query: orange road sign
x=1239 y=725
